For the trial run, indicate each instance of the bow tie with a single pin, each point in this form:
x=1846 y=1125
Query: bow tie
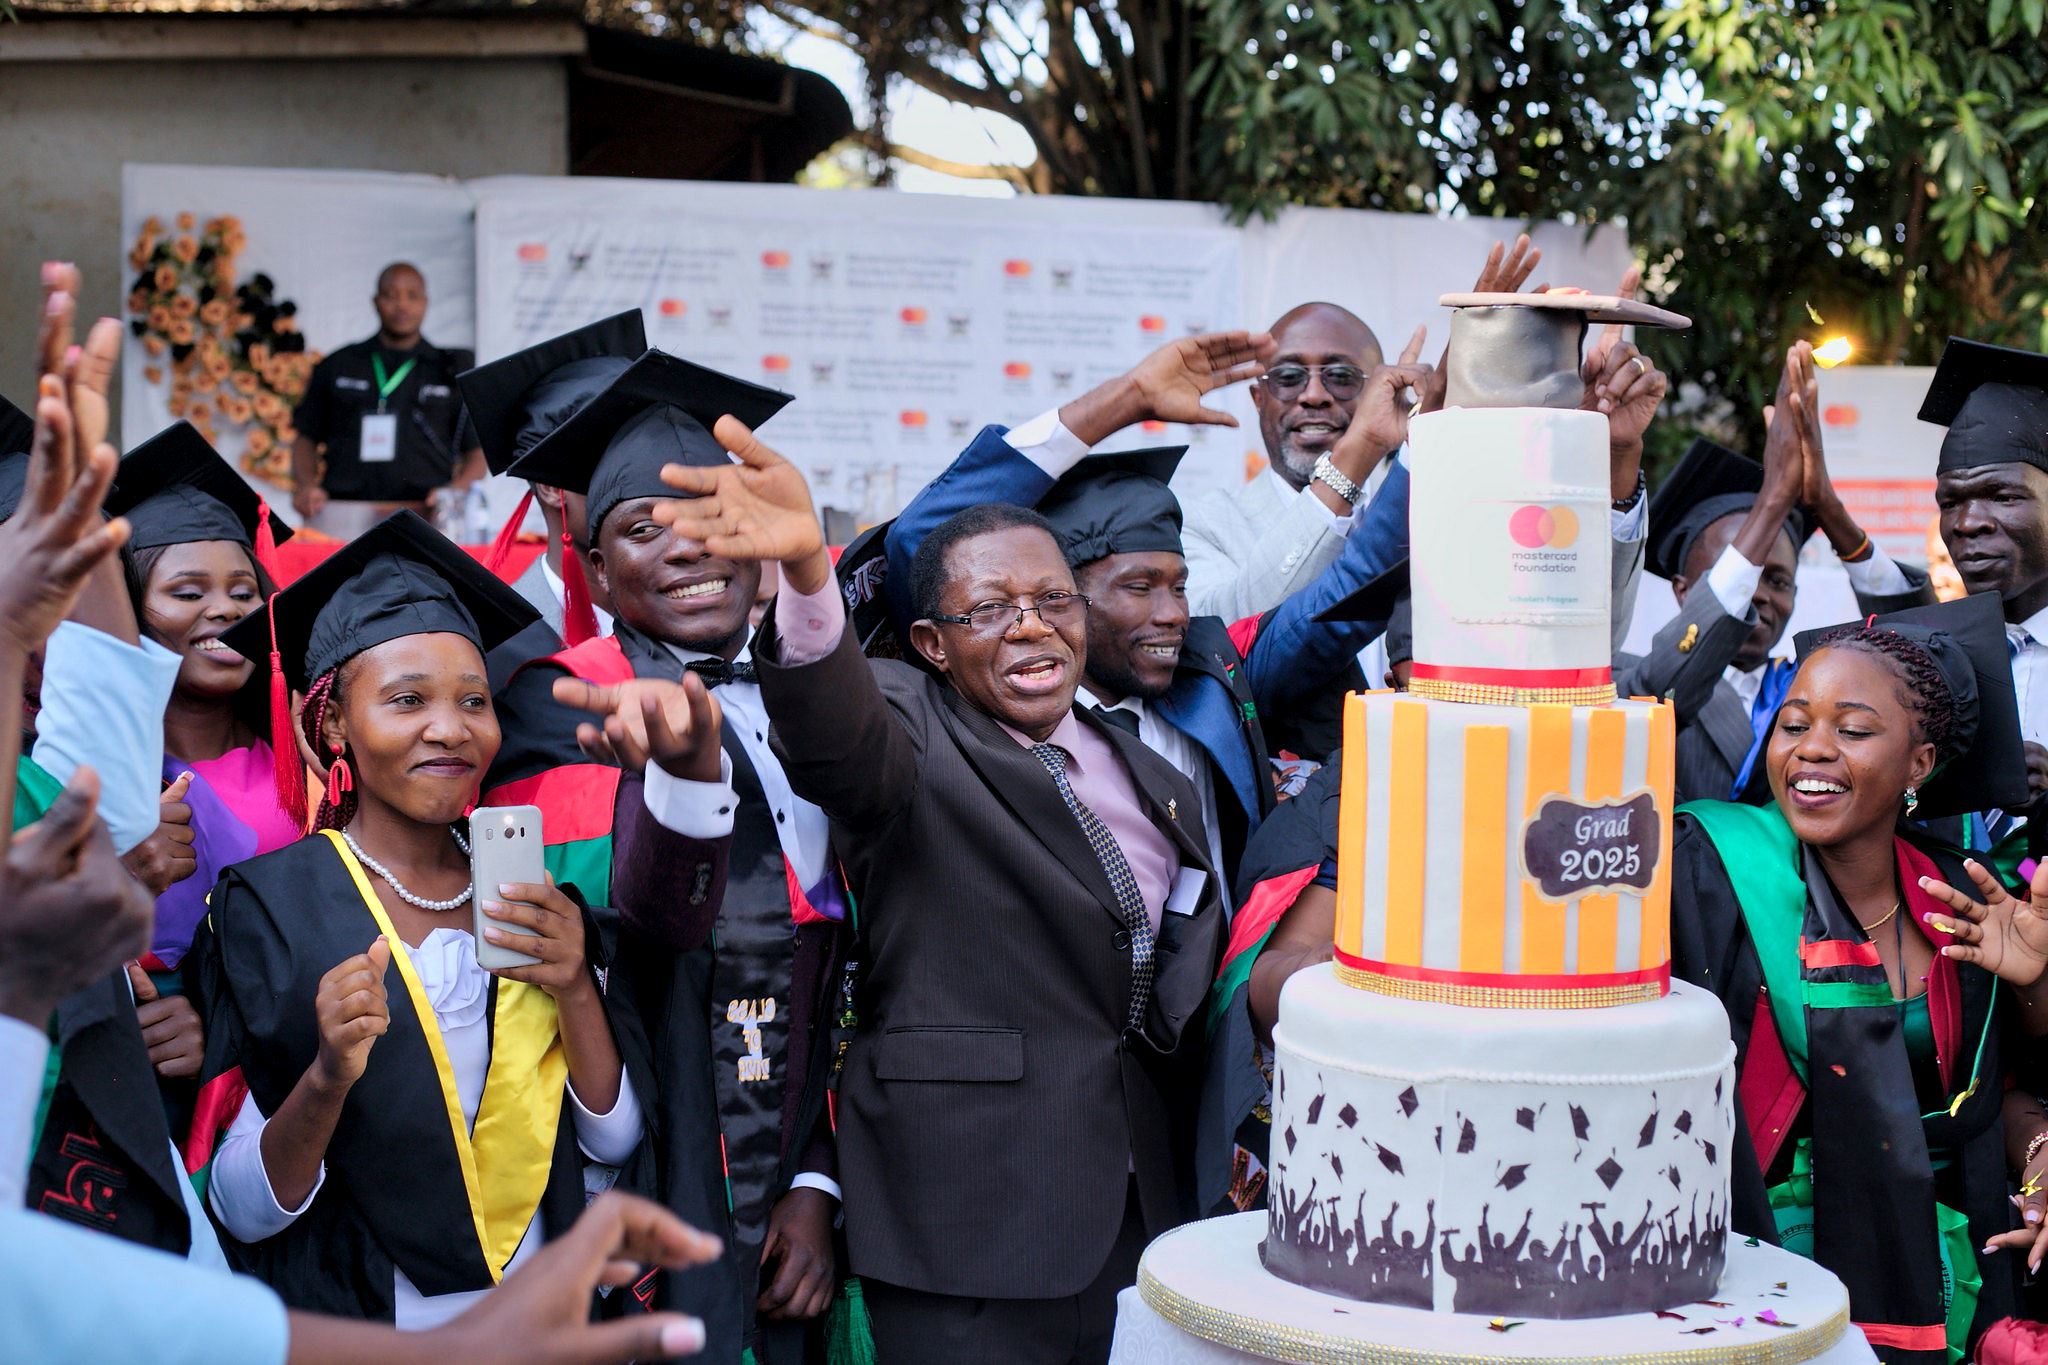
x=717 y=672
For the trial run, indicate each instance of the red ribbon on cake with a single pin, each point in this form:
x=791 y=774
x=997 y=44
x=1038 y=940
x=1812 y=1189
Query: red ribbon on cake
x=1546 y=678
x=1505 y=990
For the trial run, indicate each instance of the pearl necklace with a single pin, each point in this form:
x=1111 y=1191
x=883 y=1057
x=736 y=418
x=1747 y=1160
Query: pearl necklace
x=453 y=903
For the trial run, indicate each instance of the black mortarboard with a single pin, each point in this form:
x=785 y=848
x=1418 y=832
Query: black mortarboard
x=659 y=411
x=1116 y=504
x=401 y=577
x=863 y=573
x=1994 y=402
x=1987 y=768
x=1400 y=633
x=1376 y=600
x=13 y=483
x=1710 y=483
x=517 y=401
x=175 y=488
x=17 y=429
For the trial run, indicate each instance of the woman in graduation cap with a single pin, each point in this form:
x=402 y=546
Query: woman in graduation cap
x=197 y=563
x=1869 y=1009
x=412 y=1122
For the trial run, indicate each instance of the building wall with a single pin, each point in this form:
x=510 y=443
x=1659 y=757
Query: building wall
x=67 y=126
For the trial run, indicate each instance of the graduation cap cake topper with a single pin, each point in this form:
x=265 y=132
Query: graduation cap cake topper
x=1710 y=482
x=175 y=489
x=1994 y=402
x=1116 y=503
x=1522 y=350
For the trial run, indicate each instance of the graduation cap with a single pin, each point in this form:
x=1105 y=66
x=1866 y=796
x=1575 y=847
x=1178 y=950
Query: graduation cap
x=1986 y=768
x=175 y=488
x=399 y=578
x=515 y=402
x=13 y=483
x=1116 y=504
x=1994 y=402
x=1400 y=633
x=17 y=429
x=1376 y=600
x=1522 y=350
x=658 y=411
x=1710 y=483
x=863 y=573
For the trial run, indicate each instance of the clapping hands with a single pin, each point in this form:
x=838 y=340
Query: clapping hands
x=2005 y=936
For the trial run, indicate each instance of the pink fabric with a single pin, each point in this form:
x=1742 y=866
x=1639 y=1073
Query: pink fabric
x=242 y=778
x=808 y=625
x=1102 y=783
x=2014 y=1341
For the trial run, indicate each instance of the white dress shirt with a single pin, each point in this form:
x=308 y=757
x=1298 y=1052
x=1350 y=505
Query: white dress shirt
x=556 y=586
x=458 y=990
x=2030 y=675
x=103 y=704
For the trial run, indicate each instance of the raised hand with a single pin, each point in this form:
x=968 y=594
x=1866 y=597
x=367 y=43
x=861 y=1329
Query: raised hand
x=2004 y=936
x=649 y=720
x=1171 y=383
x=1816 y=490
x=353 y=1014
x=1379 y=424
x=757 y=509
x=1596 y=362
x=170 y=1028
x=166 y=857
x=1784 y=452
x=1508 y=267
x=1629 y=389
x=557 y=937
x=69 y=912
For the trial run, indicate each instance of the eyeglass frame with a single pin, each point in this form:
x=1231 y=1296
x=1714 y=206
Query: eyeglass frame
x=968 y=620
x=1314 y=372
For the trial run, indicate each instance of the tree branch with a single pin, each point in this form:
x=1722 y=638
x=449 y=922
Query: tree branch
x=966 y=170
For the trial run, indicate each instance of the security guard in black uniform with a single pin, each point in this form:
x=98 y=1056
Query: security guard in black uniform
x=386 y=416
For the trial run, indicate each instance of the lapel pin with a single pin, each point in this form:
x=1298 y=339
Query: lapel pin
x=1173 y=810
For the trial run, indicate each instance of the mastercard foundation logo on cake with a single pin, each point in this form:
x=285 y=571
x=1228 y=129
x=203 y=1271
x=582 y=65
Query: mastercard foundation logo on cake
x=1538 y=528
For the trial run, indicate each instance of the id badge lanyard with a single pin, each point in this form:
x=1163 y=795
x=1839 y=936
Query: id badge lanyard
x=386 y=386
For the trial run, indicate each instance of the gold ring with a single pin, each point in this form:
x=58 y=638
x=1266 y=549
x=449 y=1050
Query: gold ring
x=1642 y=366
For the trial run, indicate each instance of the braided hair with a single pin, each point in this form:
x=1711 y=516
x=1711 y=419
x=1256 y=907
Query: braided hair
x=336 y=808
x=1927 y=694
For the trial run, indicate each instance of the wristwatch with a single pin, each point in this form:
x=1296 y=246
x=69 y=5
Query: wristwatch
x=1332 y=478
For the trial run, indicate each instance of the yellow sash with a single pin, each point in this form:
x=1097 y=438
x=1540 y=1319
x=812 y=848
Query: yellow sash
x=506 y=1160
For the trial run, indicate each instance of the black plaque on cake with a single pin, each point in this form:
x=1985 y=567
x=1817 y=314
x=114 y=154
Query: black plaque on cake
x=1571 y=849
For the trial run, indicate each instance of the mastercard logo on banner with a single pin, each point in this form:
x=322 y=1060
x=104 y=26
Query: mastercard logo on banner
x=1151 y=323
x=913 y=317
x=1536 y=528
x=912 y=417
x=775 y=260
x=1838 y=415
x=533 y=251
x=674 y=308
x=1016 y=269
x=1017 y=369
x=775 y=364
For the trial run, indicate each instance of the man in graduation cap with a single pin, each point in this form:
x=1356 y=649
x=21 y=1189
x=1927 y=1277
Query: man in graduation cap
x=744 y=990
x=1178 y=682
x=515 y=403
x=1991 y=486
x=1726 y=532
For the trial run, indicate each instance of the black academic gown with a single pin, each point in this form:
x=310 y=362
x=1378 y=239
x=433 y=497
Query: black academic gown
x=1871 y=1144
x=394 y=1194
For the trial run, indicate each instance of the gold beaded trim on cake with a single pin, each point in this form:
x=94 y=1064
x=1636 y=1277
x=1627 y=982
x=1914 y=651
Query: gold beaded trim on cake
x=1501 y=997
x=1487 y=694
x=1279 y=1341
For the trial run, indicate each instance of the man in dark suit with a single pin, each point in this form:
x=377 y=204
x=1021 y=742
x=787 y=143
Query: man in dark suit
x=1726 y=532
x=1038 y=921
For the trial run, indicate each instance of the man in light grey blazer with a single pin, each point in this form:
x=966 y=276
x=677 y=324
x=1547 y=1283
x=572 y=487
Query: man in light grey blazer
x=1726 y=531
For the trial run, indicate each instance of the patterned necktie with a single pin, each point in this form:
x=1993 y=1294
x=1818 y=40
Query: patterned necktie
x=1128 y=898
x=1126 y=721
x=1998 y=823
x=717 y=672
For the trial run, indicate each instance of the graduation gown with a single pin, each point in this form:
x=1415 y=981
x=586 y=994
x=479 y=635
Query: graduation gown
x=1833 y=1149
x=743 y=1020
x=407 y=1187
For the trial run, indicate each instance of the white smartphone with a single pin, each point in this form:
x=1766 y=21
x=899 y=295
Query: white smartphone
x=504 y=846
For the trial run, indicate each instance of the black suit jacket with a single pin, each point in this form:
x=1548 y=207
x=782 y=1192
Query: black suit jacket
x=993 y=1105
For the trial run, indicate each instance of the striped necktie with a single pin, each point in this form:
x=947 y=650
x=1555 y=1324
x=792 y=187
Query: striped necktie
x=1130 y=902
x=1998 y=823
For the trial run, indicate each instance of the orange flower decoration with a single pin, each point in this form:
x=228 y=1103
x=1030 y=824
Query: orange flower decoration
x=153 y=345
x=175 y=407
x=186 y=249
x=181 y=333
x=258 y=442
x=152 y=227
x=183 y=305
x=186 y=222
x=214 y=313
x=166 y=278
x=206 y=383
x=236 y=410
x=159 y=319
x=268 y=407
x=259 y=356
x=245 y=381
x=153 y=374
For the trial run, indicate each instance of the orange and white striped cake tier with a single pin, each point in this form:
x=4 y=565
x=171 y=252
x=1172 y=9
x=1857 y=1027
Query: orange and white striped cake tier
x=1505 y=856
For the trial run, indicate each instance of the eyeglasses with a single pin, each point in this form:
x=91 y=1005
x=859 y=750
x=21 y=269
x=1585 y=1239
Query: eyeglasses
x=994 y=619
x=1344 y=382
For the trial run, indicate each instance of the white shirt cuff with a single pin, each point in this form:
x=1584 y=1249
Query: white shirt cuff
x=1877 y=576
x=1628 y=527
x=24 y=1056
x=695 y=810
x=813 y=1180
x=1046 y=442
x=608 y=1138
x=1733 y=580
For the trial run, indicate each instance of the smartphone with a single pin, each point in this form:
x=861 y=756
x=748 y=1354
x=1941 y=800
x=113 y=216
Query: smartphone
x=504 y=846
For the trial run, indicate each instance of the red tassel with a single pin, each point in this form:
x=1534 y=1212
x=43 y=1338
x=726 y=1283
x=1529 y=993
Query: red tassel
x=288 y=770
x=579 y=617
x=266 y=543
x=508 y=536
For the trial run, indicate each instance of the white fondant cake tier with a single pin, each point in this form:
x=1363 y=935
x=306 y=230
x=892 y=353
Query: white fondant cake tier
x=1509 y=542
x=1533 y=1163
x=1770 y=1307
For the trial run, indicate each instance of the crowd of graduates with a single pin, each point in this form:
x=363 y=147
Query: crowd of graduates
x=916 y=912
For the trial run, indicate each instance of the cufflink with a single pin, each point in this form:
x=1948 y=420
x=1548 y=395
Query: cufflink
x=1692 y=637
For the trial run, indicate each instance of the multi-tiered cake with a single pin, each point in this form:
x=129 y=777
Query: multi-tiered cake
x=1494 y=1101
